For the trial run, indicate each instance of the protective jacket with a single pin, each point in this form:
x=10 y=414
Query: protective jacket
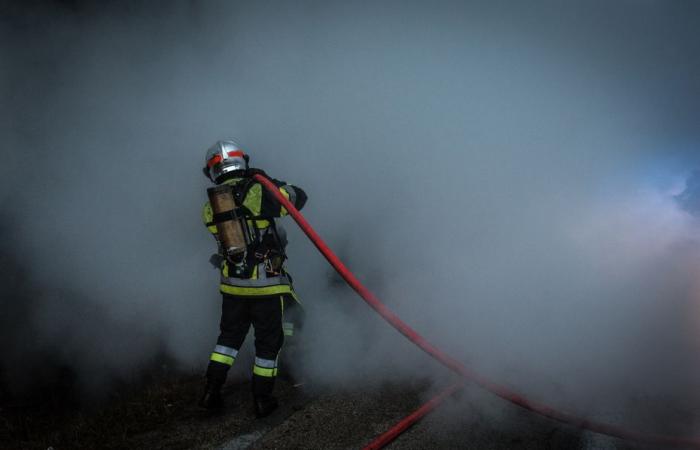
x=265 y=274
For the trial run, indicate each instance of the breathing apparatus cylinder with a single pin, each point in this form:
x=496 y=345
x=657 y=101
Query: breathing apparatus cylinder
x=231 y=224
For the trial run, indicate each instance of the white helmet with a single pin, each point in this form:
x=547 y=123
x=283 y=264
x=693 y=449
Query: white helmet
x=224 y=157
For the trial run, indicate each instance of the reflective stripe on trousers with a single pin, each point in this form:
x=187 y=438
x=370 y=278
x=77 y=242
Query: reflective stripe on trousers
x=224 y=355
x=265 y=367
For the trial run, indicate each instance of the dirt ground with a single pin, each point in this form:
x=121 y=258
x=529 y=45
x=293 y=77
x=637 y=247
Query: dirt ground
x=163 y=415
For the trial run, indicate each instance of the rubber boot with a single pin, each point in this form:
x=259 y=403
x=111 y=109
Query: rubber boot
x=212 y=400
x=263 y=401
x=264 y=405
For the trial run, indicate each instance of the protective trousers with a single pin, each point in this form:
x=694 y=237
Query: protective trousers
x=237 y=315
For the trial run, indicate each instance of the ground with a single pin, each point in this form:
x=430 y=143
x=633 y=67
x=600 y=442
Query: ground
x=162 y=415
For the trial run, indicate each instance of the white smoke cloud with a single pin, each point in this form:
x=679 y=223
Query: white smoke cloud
x=478 y=167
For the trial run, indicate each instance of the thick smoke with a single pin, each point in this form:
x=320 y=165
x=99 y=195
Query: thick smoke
x=508 y=178
x=689 y=199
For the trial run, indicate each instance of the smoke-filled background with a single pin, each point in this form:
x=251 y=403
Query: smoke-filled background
x=514 y=180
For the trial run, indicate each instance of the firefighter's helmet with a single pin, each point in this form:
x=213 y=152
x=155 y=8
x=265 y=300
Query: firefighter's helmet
x=224 y=157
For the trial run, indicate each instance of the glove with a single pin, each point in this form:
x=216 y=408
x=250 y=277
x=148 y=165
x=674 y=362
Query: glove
x=301 y=197
x=216 y=260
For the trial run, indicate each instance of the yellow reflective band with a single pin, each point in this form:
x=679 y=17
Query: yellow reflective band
x=253 y=199
x=223 y=359
x=283 y=211
x=253 y=291
x=288 y=329
x=263 y=372
x=208 y=217
x=207 y=213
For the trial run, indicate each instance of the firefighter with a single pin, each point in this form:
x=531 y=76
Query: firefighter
x=255 y=286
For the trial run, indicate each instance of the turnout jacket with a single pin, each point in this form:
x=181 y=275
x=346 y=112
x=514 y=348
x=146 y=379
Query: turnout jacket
x=261 y=209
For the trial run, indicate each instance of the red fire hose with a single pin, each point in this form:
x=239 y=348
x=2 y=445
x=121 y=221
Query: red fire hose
x=405 y=423
x=455 y=365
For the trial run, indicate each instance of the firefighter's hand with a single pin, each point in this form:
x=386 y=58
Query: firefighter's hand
x=216 y=260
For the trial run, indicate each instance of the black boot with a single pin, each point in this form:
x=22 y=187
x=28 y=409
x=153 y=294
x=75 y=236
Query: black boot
x=263 y=401
x=264 y=405
x=211 y=400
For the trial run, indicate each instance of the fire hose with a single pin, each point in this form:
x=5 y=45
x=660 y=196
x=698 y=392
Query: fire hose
x=455 y=365
x=405 y=423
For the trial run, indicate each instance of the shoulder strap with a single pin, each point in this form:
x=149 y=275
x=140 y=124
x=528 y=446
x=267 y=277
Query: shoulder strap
x=240 y=190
